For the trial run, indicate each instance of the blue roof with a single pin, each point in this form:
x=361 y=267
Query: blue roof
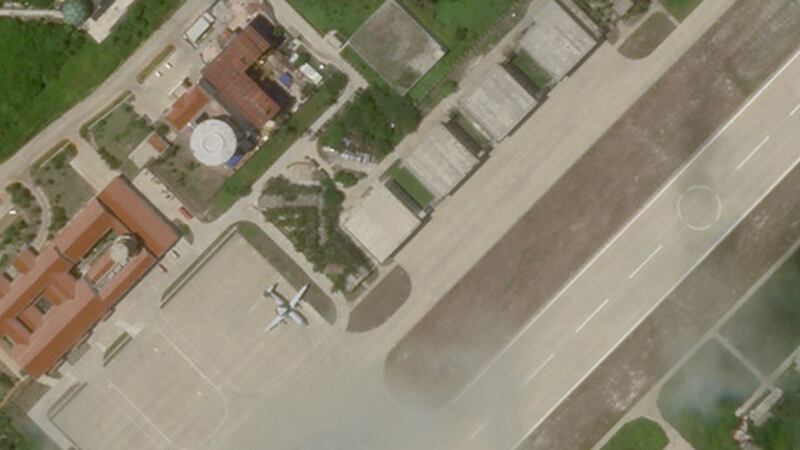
x=285 y=79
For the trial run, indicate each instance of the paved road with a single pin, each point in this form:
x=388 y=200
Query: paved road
x=637 y=269
x=124 y=78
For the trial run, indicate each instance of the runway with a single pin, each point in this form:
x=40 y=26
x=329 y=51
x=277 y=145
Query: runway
x=645 y=261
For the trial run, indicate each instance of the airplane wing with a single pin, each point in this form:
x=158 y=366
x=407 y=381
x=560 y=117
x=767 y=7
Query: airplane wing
x=298 y=318
x=279 y=301
x=297 y=297
x=275 y=322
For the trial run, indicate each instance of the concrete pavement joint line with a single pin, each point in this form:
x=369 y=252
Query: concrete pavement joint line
x=540 y=367
x=591 y=316
x=628 y=225
x=758 y=147
x=646 y=260
x=796 y=108
x=658 y=303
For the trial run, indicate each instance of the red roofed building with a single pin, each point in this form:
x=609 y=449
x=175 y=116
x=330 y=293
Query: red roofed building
x=228 y=74
x=186 y=108
x=60 y=294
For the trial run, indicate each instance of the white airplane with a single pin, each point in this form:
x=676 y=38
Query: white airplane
x=284 y=309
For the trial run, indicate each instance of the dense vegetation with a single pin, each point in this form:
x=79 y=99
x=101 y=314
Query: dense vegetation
x=344 y=16
x=375 y=122
x=459 y=25
x=638 y=434
x=315 y=231
x=47 y=68
x=240 y=183
x=782 y=430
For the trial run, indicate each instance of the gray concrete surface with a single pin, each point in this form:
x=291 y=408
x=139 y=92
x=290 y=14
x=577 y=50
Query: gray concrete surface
x=556 y=41
x=498 y=104
x=441 y=161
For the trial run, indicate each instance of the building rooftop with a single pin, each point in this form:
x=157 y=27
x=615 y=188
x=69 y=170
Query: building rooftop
x=235 y=87
x=61 y=292
x=498 y=103
x=556 y=41
x=382 y=223
x=441 y=161
x=186 y=108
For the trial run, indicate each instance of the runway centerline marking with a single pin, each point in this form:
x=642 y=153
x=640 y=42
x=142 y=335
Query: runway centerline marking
x=647 y=260
x=538 y=369
x=591 y=316
x=758 y=147
x=796 y=108
x=480 y=428
x=659 y=301
x=629 y=224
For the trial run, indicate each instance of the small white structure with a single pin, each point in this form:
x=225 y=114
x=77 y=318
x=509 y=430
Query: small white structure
x=382 y=223
x=199 y=28
x=311 y=73
x=213 y=142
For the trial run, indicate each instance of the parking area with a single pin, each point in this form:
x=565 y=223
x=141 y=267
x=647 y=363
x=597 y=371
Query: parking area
x=223 y=319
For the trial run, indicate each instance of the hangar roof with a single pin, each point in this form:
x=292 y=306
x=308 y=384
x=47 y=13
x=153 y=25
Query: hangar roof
x=381 y=223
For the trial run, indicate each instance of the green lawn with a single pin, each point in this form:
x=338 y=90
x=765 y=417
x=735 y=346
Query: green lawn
x=782 y=430
x=193 y=183
x=240 y=184
x=528 y=66
x=459 y=25
x=65 y=188
x=374 y=122
x=410 y=184
x=680 y=9
x=700 y=399
x=765 y=328
x=116 y=135
x=45 y=68
x=638 y=434
x=344 y=16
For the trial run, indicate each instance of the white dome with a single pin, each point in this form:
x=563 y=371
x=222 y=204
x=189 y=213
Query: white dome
x=213 y=142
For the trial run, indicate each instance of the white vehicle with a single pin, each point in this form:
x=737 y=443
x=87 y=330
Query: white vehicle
x=286 y=310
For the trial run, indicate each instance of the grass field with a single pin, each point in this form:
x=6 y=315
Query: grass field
x=85 y=65
x=782 y=430
x=240 y=184
x=528 y=66
x=153 y=65
x=193 y=183
x=638 y=434
x=458 y=26
x=344 y=16
x=116 y=135
x=65 y=188
x=680 y=9
x=650 y=34
x=410 y=184
x=701 y=397
x=765 y=328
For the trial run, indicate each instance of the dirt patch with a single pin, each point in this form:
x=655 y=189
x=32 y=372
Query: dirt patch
x=396 y=46
x=675 y=326
x=604 y=188
x=382 y=302
x=647 y=37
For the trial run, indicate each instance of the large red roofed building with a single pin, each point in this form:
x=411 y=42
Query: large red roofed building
x=228 y=74
x=59 y=294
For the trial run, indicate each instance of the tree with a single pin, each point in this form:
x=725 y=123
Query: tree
x=76 y=11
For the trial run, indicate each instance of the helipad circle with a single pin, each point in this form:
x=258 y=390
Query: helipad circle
x=699 y=207
x=213 y=142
